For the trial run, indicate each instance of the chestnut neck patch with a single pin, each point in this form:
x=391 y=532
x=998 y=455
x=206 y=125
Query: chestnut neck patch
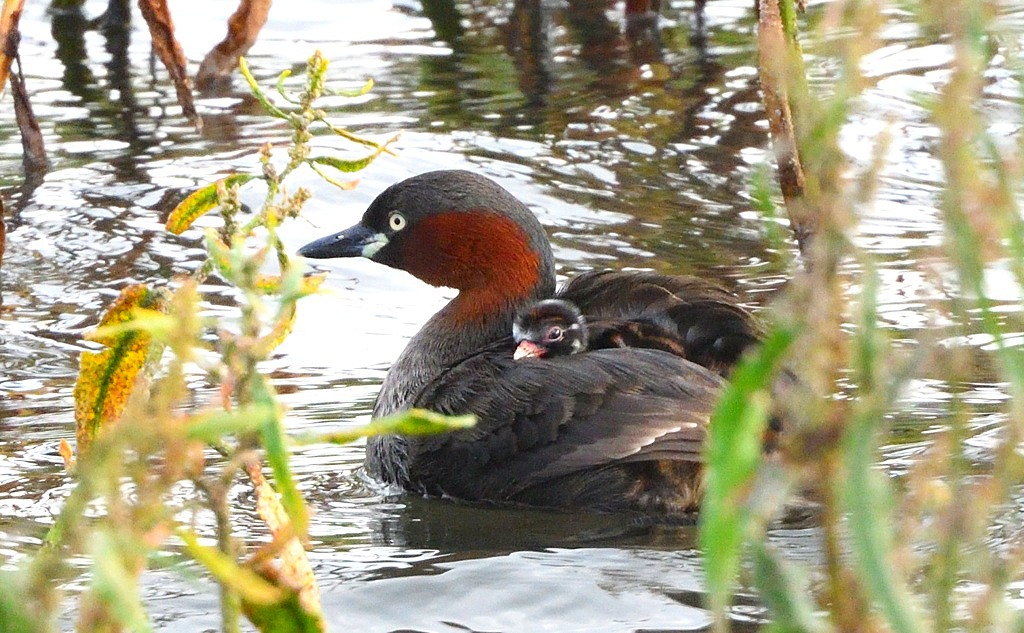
x=486 y=256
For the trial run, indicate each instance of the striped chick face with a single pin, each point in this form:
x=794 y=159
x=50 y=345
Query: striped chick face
x=549 y=328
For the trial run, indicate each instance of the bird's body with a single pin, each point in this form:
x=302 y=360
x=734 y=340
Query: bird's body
x=616 y=429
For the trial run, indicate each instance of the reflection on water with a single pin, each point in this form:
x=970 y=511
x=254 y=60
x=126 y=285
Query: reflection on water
x=634 y=147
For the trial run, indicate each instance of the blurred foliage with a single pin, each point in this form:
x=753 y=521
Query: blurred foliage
x=142 y=436
x=909 y=554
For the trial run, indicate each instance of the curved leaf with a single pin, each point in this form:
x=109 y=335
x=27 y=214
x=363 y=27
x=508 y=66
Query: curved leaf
x=107 y=379
x=285 y=74
x=733 y=457
x=358 y=92
x=411 y=422
x=868 y=494
x=277 y=334
x=199 y=202
x=346 y=165
x=271 y=109
x=783 y=586
x=355 y=138
x=220 y=254
x=346 y=185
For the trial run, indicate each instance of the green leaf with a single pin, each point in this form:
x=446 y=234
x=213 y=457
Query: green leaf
x=115 y=584
x=867 y=493
x=355 y=138
x=285 y=616
x=211 y=427
x=358 y=92
x=285 y=74
x=785 y=591
x=14 y=606
x=345 y=165
x=344 y=185
x=199 y=202
x=411 y=422
x=108 y=378
x=220 y=254
x=276 y=445
x=271 y=109
x=734 y=454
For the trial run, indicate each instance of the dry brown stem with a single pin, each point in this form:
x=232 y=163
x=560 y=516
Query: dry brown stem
x=161 y=28
x=243 y=28
x=9 y=16
x=33 y=149
x=774 y=56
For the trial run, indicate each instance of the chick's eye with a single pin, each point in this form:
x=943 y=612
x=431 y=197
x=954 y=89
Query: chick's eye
x=396 y=221
x=554 y=334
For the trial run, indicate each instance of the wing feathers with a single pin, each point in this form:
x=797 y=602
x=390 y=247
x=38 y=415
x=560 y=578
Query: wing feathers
x=542 y=420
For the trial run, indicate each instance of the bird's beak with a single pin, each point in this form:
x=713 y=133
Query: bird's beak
x=356 y=241
x=528 y=349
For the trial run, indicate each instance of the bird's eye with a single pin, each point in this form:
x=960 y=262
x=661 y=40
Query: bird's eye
x=396 y=221
x=555 y=334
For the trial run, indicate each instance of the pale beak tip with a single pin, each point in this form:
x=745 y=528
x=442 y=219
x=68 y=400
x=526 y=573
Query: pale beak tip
x=528 y=349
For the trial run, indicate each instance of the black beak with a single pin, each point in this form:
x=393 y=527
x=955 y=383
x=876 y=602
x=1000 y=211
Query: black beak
x=356 y=241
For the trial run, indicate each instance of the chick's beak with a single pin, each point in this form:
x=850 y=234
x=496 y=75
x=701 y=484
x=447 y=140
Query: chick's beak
x=528 y=349
x=356 y=241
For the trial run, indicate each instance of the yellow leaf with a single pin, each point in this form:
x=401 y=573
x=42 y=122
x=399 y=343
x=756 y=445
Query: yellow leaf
x=271 y=284
x=199 y=202
x=271 y=109
x=67 y=454
x=294 y=572
x=277 y=334
x=153 y=322
x=107 y=379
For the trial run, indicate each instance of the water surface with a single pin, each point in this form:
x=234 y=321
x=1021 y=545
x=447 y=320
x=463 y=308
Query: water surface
x=633 y=155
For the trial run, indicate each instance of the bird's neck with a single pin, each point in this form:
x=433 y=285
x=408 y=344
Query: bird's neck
x=472 y=321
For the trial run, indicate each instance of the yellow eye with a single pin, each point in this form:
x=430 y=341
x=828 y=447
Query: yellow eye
x=396 y=221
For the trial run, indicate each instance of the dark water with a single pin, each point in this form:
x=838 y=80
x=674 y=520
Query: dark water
x=631 y=154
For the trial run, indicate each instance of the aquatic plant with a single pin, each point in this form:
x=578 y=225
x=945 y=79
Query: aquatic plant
x=151 y=464
x=908 y=554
